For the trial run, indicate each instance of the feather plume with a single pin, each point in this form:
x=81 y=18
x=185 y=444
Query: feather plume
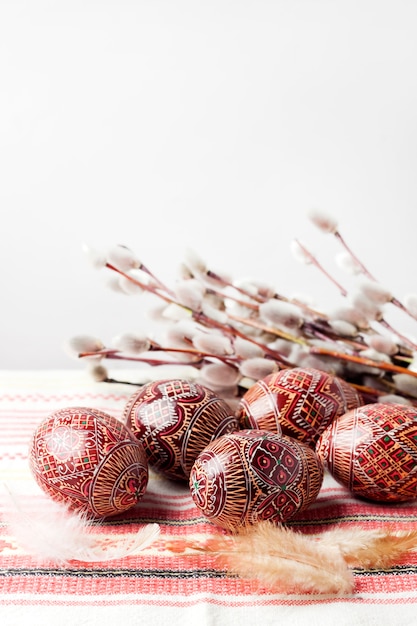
x=370 y=548
x=52 y=532
x=282 y=559
x=289 y=561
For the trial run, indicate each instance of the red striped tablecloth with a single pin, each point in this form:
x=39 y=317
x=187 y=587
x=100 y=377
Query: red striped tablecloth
x=157 y=586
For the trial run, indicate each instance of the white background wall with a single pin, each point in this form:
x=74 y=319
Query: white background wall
x=167 y=124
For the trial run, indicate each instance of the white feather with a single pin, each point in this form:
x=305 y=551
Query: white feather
x=51 y=532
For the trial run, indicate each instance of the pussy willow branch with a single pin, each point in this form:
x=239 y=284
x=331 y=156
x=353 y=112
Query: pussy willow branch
x=314 y=261
x=232 y=331
x=380 y=320
x=301 y=333
x=201 y=317
x=367 y=273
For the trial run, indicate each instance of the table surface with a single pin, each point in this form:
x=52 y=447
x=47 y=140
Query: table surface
x=156 y=585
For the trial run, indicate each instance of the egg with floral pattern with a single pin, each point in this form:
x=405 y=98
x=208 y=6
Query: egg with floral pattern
x=252 y=475
x=88 y=460
x=298 y=402
x=372 y=450
x=175 y=419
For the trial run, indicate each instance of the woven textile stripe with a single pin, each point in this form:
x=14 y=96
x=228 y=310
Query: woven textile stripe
x=158 y=584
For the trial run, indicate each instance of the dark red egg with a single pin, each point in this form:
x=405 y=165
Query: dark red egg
x=253 y=475
x=175 y=420
x=298 y=402
x=372 y=450
x=89 y=461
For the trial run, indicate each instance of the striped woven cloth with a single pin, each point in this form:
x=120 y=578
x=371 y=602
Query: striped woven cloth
x=158 y=586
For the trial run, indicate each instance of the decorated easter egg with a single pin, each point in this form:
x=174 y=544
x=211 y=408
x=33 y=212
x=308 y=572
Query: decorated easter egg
x=372 y=450
x=253 y=475
x=175 y=420
x=88 y=460
x=298 y=402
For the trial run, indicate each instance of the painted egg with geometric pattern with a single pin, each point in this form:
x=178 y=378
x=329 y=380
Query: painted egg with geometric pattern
x=88 y=460
x=372 y=450
x=175 y=419
x=252 y=475
x=298 y=402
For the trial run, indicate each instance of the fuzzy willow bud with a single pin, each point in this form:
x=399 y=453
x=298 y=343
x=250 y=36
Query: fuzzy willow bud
x=194 y=262
x=129 y=286
x=348 y=263
x=364 y=305
x=190 y=293
x=122 y=258
x=382 y=344
x=374 y=291
x=132 y=343
x=258 y=368
x=394 y=398
x=410 y=303
x=247 y=349
x=350 y=314
x=97 y=259
x=98 y=373
x=220 y=374
x=406 y=384
x=181 y=333
x=281 y=313
x=343 y=328
x=83 y=343
x=213 y=343
x=374 y=355
x=214 y=314
x=175 y=312
x=325 y=222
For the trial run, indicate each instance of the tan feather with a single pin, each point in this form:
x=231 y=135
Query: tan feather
x=289 y=561
x=282 y=559
x=370 y=548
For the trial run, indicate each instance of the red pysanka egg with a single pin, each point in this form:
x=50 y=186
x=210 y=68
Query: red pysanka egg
x=175 y=419
x=298 y=402
x=372 y=450
x=253 y=475
x=89 y=461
